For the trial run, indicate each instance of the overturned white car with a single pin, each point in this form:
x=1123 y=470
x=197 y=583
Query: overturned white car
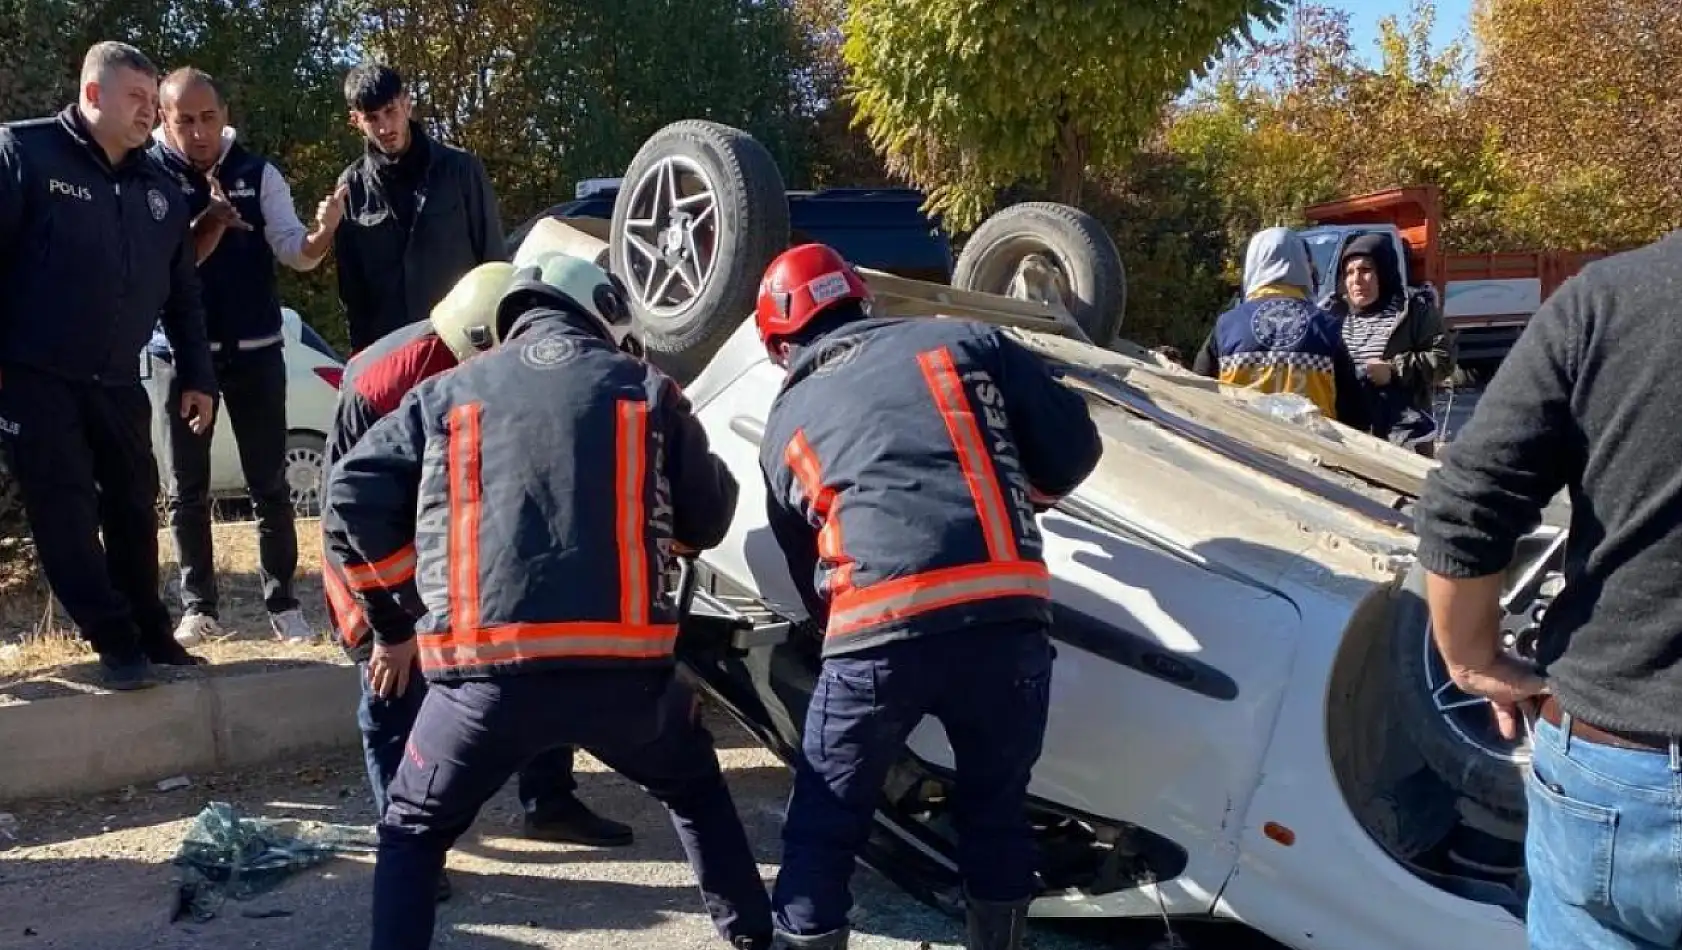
x=1248 y=718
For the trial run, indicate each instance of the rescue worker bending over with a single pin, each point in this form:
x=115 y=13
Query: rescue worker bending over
x=1278 y=340
x=375 y=382
x=535 y=495
x=904 y=461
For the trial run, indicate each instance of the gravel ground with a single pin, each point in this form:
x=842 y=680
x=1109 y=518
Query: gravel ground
x=93 y=874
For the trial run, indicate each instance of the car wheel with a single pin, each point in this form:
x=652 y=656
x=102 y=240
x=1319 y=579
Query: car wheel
x=306 y=454
x=702 y=214
x=1050 y=253
x=1454 y=731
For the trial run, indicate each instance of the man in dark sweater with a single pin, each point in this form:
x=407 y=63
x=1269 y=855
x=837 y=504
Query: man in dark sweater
x=1586 y=402
x=419 y=213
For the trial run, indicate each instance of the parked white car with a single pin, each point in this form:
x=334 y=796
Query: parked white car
x=313 y=372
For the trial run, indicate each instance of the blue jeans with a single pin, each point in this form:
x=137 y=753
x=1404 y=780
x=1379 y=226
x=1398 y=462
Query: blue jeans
x=545 y=782
x=1603 y=845
x=990 y=687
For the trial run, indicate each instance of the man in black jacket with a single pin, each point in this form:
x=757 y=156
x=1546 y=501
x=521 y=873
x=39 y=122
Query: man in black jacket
x=243 y=223
x=94 y=244
x=1586 y=402
x=419 y=213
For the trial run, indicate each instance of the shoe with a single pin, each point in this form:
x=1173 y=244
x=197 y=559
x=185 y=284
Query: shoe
x=574 y=823
x=994 y=925
x=443 y=893
x=834 y=940
x=195 y=629
x=290 y=626
x=174 y=654
x=126 y=677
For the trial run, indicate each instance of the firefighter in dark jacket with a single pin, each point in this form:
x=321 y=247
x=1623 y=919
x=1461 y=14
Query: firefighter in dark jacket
x=374 y=384
x=94 y=245
x=419 y=213
x=904 y=463
x=536 y=495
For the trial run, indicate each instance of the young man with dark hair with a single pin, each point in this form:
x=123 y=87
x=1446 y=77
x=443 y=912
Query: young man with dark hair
x=419 y=213
x=94 y=245
x=243 y=222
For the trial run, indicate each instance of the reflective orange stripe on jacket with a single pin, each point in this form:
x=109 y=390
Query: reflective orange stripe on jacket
x=803 y=462
x=630 y=517
x=948 y=391
x=348 y=618
x=906 y=597
x=466 y=502
x=392 y=571
x=516 y=642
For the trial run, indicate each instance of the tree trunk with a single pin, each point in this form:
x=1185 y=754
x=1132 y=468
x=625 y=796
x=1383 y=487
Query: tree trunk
x=1069 y=163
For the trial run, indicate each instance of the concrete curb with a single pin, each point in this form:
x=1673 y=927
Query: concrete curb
x=104 y=741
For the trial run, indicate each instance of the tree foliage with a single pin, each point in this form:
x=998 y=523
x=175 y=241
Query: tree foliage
x=968 y=97
x=1584 y=98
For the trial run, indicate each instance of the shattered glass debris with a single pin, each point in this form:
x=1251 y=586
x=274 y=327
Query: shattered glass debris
x=229 y=855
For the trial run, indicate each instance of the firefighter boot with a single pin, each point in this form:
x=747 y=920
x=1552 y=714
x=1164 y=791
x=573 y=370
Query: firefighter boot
x=834 y=940
x=995 y=925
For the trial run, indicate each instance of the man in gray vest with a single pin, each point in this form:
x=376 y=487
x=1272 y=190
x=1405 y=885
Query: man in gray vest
x=243 y=221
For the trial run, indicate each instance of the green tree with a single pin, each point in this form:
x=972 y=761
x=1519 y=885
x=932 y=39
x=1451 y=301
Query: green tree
x=966 y=98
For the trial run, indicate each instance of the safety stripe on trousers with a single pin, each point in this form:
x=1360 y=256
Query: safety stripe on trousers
x=393 y=570
x=905 y=597
x=941 y=374
x=802 y=460
x=513 y=643
x=631 y=482
x=466 y=501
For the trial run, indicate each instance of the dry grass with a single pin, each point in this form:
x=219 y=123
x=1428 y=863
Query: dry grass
x=39 y=645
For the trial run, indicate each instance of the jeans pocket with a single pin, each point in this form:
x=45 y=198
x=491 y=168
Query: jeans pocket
x=1569 y=841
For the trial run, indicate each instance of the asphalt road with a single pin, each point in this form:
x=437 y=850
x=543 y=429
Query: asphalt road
x=94 y=874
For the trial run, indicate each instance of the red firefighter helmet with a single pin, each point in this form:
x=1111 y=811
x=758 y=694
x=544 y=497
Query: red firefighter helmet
x=801 y=284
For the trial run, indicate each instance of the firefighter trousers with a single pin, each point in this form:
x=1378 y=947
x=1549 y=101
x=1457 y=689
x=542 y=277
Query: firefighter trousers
x=471 y=736
x=990 y=689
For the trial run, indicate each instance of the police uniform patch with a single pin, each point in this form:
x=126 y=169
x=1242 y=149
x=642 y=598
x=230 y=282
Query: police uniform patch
x=549 y=353
x=158 y=204
x=1280 y=324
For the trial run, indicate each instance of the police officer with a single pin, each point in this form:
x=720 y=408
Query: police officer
x=94 y=244
x=904 y=462
x=535 y=495
x=374 y=383
x=244 y=223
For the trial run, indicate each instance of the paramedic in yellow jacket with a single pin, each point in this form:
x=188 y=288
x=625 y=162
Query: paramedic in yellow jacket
x=1278 y=340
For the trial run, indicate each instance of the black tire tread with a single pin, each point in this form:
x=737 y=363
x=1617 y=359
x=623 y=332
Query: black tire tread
x=753 y=186
x=1493 y=784
x=1061 y=223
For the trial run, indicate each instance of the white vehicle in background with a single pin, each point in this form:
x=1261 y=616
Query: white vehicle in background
x=1249 y=722
x=313 y=373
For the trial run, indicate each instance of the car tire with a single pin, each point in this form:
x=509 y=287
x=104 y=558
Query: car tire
x=727 y=254
x=306 y=454
x=1492 y=781
x=1084 y=255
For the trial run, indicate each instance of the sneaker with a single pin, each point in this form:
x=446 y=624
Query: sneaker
x=290 y=625
x=195 y=629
